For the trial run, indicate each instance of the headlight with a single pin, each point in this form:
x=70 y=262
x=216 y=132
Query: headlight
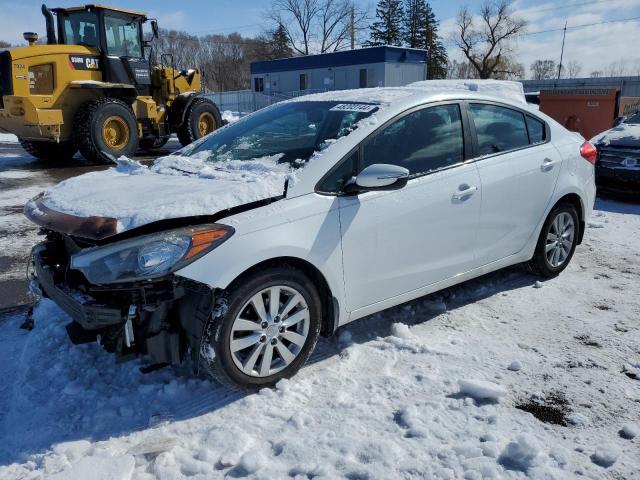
x=149 y=256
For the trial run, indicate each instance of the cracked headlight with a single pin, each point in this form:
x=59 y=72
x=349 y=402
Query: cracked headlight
x=148 y=256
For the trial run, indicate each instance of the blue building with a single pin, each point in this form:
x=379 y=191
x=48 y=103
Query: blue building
x=366 y=67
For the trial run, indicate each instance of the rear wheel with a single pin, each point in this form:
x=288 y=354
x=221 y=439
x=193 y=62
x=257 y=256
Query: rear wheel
x=263 y=330
x=104 y=129
x=557 y=241
x=202 y=118
x=49 y=150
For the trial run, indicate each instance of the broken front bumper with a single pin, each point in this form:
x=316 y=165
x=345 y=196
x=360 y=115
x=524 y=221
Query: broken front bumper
x=163 y=318
x=88 y=314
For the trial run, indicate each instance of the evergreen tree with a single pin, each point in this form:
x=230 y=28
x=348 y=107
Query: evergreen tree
x=421 y=31
x=279 y=43
x=387 y=29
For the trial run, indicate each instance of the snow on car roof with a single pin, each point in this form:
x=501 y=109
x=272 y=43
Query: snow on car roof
x=387 y=96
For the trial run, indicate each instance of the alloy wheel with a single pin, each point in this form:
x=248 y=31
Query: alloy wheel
x=270 y=331
x=560 y=239
x=115 y=132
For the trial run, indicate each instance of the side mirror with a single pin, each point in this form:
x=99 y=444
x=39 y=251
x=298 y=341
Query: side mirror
x=154 y=28
x=618 y=121
x=380 y=176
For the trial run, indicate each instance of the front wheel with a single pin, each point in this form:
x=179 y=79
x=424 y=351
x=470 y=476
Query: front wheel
x=262 y=330
x=557 y=241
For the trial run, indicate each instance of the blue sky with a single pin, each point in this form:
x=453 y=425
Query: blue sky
x=596 y=47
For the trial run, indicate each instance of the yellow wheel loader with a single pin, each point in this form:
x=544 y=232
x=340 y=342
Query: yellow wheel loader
x=91 y=88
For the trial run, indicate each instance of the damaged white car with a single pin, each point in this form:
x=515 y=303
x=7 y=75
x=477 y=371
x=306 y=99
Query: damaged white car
x=242 y=249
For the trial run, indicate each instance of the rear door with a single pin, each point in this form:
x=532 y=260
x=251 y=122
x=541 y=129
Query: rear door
x=518 y=169
x=398 y=241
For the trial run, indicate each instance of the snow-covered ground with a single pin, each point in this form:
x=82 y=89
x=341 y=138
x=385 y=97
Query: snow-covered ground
x=438 y=388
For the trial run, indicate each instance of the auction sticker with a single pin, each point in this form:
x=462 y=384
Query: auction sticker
x=354 y=107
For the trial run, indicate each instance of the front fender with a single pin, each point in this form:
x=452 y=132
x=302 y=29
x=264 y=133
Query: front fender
x=306 y=228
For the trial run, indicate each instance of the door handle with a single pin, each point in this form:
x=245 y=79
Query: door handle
x=547 y=164
x=464 y=192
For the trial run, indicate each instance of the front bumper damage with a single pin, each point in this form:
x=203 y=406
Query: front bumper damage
x=163 y=318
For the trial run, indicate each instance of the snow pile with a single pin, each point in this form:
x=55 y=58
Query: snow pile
x=503 y=89
x=482 y=390
x=521 y=454
x=8 y=138
x=605 y=455
x=173 y=187
x=630 y=431
x=230 y=116
x=621 y=132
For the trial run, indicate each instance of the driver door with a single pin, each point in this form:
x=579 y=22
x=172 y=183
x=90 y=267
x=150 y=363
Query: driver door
x=395 y=242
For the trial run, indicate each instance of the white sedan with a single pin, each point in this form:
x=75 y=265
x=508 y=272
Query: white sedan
x=244 y=247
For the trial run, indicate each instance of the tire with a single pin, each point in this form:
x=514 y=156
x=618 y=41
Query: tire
x=200 y=110
x=105 y=125
x=544 y=263
x=216 y=354
x=153 y=143
x=49 y=150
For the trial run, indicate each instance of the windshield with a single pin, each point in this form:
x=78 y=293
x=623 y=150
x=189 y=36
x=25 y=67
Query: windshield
x=292 y=132
x=633 y=119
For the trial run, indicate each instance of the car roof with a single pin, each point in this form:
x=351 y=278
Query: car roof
x=399 y=98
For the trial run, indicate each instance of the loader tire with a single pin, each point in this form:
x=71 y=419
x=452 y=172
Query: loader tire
x=49 y=150
x=202 y=117
x=105 y=129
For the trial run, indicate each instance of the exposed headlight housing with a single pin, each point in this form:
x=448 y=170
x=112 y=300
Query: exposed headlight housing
x=149 y=256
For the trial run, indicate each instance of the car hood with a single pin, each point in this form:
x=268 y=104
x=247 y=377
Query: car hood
x=99 y=205
x=624 y=135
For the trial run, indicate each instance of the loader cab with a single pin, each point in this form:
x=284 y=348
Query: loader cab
x=117 y=34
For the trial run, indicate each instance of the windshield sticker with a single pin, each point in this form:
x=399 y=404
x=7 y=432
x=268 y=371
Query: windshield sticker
x=354 y=107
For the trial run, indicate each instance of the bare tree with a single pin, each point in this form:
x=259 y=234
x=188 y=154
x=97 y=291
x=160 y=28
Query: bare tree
x=596 y=74
x=299 y=27
x=616 y=69
x=334 y=20
x=573 y=69
x=317 y=25
x=543 y=70
x=485 y=41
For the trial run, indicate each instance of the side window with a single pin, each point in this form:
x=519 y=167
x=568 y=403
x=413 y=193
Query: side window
x=499 y=129
x=422 y=141
x=123 y=37
x=536 y=130
x=336 y=181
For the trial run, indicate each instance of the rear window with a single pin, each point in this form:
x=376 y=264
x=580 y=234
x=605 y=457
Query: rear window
x=499 y=129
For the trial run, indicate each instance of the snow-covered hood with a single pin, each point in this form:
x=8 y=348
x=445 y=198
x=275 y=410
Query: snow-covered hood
x=98 y=205
x=624 y=135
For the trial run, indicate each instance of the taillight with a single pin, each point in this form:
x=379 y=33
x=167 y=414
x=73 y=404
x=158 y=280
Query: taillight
x=589 y=152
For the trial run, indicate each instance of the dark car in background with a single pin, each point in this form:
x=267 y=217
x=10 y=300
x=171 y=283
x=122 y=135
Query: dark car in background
x=618 y=165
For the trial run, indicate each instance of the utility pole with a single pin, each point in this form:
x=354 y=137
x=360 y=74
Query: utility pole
x=353 y=28
x=564 y=36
